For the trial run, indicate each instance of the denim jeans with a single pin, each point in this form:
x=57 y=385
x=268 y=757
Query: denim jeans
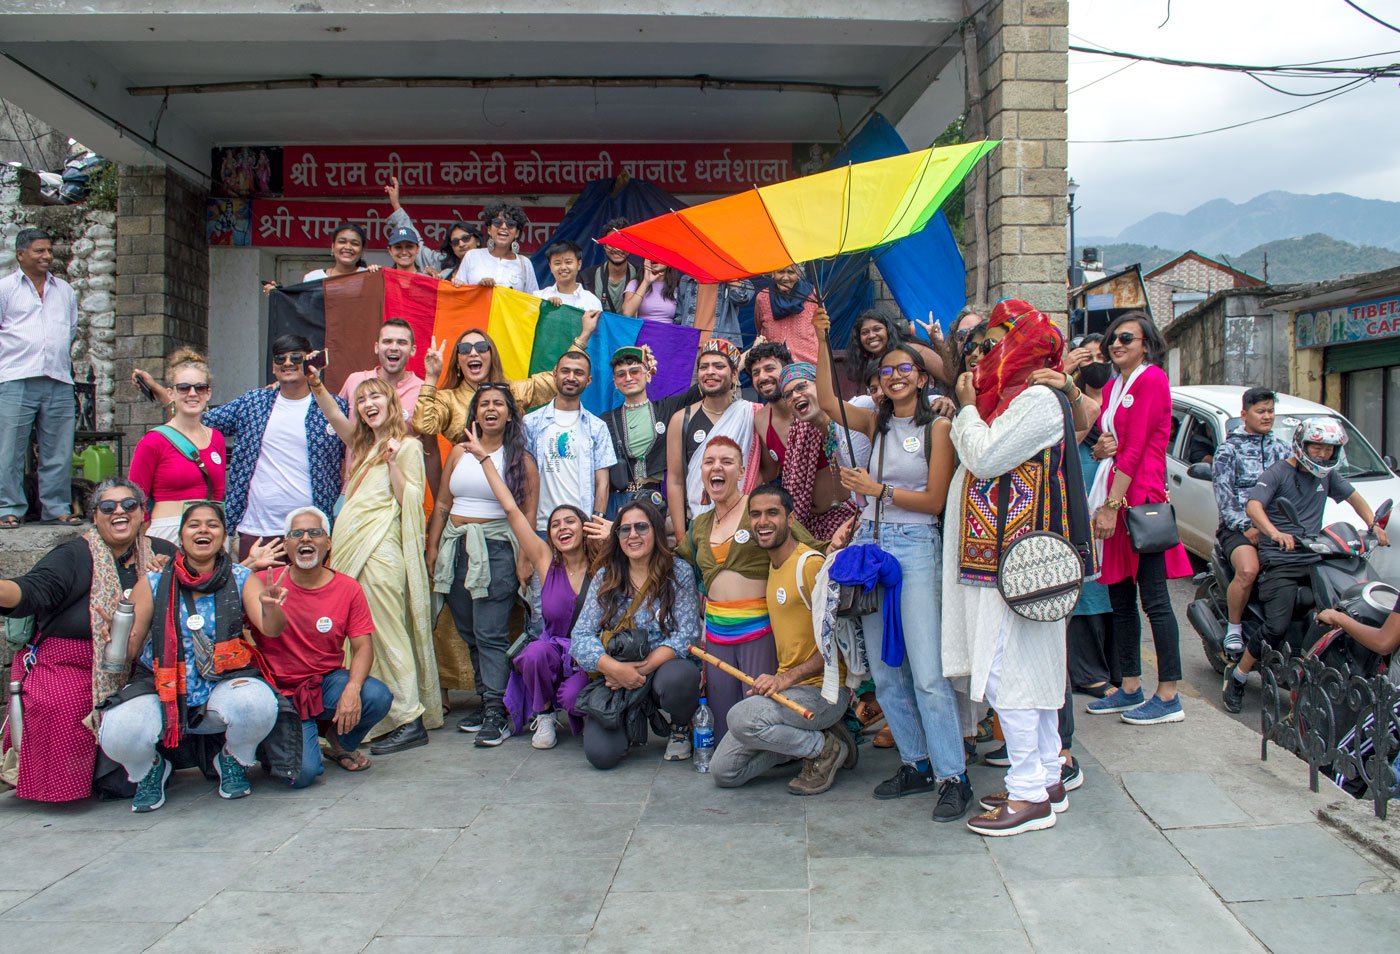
x=47 y=405
x=375 y=700
x=917 y=698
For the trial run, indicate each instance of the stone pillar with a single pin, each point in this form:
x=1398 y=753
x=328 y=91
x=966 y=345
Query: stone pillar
x=162 y=285
x=1022 y=68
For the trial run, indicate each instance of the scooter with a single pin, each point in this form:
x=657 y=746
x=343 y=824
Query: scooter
x=1347 y=558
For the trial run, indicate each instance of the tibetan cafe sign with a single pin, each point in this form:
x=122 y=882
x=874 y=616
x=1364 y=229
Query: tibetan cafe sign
x=319 y=172
x=1369 y=320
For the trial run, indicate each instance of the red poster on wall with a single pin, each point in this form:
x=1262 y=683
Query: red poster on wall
x=559 y=169
x=293 y=223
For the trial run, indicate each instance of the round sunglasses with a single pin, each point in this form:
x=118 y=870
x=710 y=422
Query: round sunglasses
x=109 y=507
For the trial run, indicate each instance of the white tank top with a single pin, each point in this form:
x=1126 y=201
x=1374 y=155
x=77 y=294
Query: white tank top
x=471 y=494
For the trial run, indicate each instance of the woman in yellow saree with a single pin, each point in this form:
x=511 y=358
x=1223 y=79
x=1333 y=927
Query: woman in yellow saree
x=379 y=541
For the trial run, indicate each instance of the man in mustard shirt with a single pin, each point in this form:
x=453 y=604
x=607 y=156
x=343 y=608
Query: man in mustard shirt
x=762 y=732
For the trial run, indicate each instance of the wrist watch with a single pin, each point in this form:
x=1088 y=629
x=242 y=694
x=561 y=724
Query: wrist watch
x=1113 y=504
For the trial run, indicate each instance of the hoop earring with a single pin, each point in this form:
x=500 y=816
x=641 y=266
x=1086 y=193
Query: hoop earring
x=514 y=248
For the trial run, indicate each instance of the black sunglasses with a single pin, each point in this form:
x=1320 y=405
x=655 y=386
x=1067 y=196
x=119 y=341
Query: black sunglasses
x=185 y=387
x=1123 y=337
x=289 y=357
x=985 y=346
x=463 y=240
x=480 y=347
x=503 y=223
x=109 y=507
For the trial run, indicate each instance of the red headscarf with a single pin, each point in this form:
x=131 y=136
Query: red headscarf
x=1032 y=342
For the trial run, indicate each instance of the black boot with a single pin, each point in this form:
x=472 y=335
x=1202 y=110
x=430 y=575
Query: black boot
x=410 y=735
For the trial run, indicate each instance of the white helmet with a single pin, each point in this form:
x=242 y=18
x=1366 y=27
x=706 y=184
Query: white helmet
x=1318 y=430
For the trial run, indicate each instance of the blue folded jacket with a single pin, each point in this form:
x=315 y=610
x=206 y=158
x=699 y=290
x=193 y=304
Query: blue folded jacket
x=866 y=565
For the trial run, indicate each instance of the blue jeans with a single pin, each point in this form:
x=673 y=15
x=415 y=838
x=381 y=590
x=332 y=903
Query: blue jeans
x=917 y=698
x=45 y=404
x=375 y=700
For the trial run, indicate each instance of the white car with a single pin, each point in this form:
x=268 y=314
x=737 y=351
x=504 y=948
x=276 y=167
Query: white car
x=1201 y=417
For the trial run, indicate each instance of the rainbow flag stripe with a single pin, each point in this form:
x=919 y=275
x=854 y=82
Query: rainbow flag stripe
x=736 y=621
x=344 y=314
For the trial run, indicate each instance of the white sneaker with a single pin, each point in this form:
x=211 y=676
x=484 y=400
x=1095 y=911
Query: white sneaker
x=678 y=748
x=545 y=736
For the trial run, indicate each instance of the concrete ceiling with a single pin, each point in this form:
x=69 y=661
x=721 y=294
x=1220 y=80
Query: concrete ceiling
x=73 y=65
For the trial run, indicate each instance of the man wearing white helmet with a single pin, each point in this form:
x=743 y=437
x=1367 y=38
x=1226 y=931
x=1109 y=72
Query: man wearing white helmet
x=1307 y=478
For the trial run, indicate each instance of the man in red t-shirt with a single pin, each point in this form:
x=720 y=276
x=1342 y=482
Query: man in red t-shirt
x=323 y=609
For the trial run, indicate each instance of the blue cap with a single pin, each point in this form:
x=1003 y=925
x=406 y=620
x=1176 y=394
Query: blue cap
x=403 y=235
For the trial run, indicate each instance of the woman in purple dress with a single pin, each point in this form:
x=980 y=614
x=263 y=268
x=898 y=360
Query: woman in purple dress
x=544 y=679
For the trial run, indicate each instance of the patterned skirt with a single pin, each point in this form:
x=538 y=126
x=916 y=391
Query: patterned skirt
x=57 y=751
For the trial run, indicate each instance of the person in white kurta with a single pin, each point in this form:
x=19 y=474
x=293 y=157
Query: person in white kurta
x=1015 y=664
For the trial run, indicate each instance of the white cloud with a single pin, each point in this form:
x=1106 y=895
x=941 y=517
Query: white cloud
x=1350 y=144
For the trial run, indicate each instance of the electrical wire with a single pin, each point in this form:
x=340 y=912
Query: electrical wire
x=1287 y=69
x=1104 y=77
x=1350 y=87
x=1371 y=16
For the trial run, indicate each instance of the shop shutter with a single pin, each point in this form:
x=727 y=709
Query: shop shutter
x=1362 y=355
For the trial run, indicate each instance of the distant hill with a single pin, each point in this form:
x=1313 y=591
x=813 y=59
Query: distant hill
x=1314 y=258
x=1234 y=228
x=1307 y=258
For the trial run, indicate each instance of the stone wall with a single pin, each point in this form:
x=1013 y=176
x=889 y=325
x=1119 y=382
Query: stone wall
x=1023 y=63
x=84 y=243
x=162 y=288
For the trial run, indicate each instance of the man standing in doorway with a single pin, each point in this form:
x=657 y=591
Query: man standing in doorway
x=38 y=321
x=286 y=455
x=571 y=445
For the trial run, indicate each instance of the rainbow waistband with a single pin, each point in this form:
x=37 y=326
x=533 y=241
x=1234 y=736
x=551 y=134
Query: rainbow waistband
x=736 y=621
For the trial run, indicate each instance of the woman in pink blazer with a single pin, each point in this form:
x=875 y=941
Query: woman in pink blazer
x=1136 y=422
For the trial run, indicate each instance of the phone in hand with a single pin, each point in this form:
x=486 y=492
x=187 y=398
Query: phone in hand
x=316 y=359
x=145 y=389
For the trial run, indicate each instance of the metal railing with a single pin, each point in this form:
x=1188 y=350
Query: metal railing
x=1340 y=724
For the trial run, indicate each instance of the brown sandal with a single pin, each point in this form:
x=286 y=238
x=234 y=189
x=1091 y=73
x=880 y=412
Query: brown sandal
x=350 y=761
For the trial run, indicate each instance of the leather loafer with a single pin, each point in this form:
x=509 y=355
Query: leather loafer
x=1059 y=799
x=1002 y=821
x=410 y=735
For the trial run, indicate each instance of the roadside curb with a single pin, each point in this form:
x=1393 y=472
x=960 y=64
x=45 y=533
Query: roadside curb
x=1355 y=821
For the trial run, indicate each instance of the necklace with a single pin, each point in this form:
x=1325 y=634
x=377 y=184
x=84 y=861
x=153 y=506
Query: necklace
x=629 y=404
x=721 y=517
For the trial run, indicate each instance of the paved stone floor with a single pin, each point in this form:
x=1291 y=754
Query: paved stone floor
x=453 y=849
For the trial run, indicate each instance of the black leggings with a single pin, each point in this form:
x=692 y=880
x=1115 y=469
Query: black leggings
x=676 y=687
x=1151 y=586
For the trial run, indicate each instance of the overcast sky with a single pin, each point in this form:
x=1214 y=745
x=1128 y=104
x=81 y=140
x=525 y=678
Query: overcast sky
x=1350 y=144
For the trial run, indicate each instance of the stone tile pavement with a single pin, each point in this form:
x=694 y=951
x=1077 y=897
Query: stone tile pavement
x=452 y=849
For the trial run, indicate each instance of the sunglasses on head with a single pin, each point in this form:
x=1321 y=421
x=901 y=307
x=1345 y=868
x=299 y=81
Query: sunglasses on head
x=641 y=529
x=289 y=357
x=109 y=507
x=904 y=367
x=185 y=388
x=501 y=386
x=314 y=533
x=1123 y=337
x=480 y=347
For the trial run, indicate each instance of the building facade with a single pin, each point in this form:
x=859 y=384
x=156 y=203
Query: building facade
x=1187 y=280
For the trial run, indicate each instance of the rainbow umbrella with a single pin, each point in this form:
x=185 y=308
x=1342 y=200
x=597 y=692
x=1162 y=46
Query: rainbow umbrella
x=861 y=206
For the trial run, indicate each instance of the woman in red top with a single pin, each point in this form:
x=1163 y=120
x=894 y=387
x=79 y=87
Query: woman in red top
x=1136 y=421
x=783 y=312
x=181 y=460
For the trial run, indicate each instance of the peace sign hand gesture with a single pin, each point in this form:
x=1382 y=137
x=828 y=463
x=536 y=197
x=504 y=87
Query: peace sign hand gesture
x=274 y=593
x=931 y=328
x=432 y=360
x=392 y=191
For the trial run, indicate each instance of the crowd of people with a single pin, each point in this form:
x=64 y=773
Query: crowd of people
x=277 y=563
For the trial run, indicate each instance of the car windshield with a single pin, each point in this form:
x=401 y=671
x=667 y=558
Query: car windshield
x=1359 y=458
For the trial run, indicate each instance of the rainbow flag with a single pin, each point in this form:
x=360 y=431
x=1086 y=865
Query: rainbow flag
x=344 y=314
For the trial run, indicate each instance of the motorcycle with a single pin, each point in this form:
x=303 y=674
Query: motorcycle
x=1348 y=558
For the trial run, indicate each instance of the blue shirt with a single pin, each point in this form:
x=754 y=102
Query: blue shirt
x=586 y=643
x=243 y=421
x=197 y=688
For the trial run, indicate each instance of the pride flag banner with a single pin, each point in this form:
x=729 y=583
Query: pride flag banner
x=344 y=315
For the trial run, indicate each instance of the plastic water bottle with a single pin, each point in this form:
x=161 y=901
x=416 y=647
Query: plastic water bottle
x=703 y=726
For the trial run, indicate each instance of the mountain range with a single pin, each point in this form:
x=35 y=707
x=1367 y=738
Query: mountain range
x=1233 y=228
x=1304 y=258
